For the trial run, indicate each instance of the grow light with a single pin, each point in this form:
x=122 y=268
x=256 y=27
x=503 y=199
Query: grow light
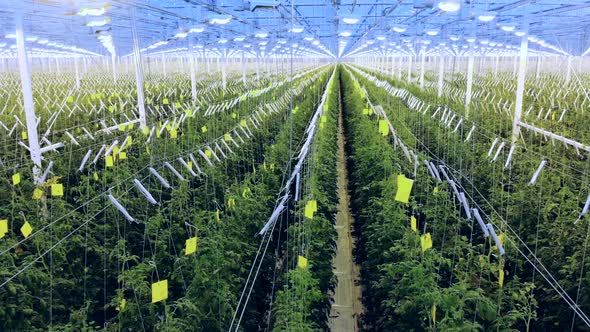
x=93 y=11
x=508 y=27
x=239 y=39
x=345 y=34
x=220 y=19
x=380 y=38
x=43 y=41
x=470 y=39
x=400 y=28
x=296 y=29
x=432 y=32
x=350 y=19
x=449 y=5
x=181 y=35
x=98 y=23
x=10 y=36
x=261 y=34
x=222 y=41
x=315 y=42
x=454 y=38
x=197 y=29
x=520 y=33
x=487 y=16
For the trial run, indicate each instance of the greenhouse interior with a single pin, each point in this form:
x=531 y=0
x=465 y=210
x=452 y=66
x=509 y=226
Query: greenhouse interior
x=268 y=165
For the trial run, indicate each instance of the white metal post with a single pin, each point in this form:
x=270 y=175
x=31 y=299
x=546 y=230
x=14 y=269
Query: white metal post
x=77 y=72
x=29 y=106
x=223 y=75
x=524 y=46
x=568 y=75
x=441 y=69
x=114 y=67
x=423 y=62
x=138 y=73
x=191 y=54
x=470 y=65
x=243 y=65
x=409 y=78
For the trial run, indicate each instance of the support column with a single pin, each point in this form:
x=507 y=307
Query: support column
x=193 y=70
x=29 y=106
x=409 y=78
x=441 y=69
x=423 y=62
x=524 y=46
x=243 y=65
x=568 y=75
x=470 y=65
x=77 y=73
x=138 y=73
x=114 y=65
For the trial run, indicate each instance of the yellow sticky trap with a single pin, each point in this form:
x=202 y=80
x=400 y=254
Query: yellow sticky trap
x=122 y=127
x=501 y=238
x=264 y=165
x=295 y=110
x=109 y=161
x=243 y=123
x=301 y=262
x=426 y=242
x=147 y=150
x=173 y=134
x=130 y=126
x=246 y=192
x=130 y=139
x=501 y=278
x=116 y=150
x=70 y=99
x=95 y=176
x=324 y=118
x=272 y=166
x=16 y=179
x=177 y=105
x=37 y=194
x=208 y=153
x=121 y=305
x=159 y=291
x=168 y=127
x=365 y=111
x=26 y=229
x=190 y=246
x=435 y=190
x=231 y=203
x=227 y=137
x=3 y=227
x=165 y=101
x=234 y=115
x=325 y=107
x=57 y=190
x=204 y=129
x=217 y=216
x=553 y=116
x=433 y=313
x=404 y=187
x=311 y=208
x=122 y=155
x=111 y=108
x=414 y=223
x=146 y=131
x=190 y=164
x=24 y=135
x=383 y=127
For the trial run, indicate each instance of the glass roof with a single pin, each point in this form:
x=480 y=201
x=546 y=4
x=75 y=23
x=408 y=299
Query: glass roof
x=306 y=27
